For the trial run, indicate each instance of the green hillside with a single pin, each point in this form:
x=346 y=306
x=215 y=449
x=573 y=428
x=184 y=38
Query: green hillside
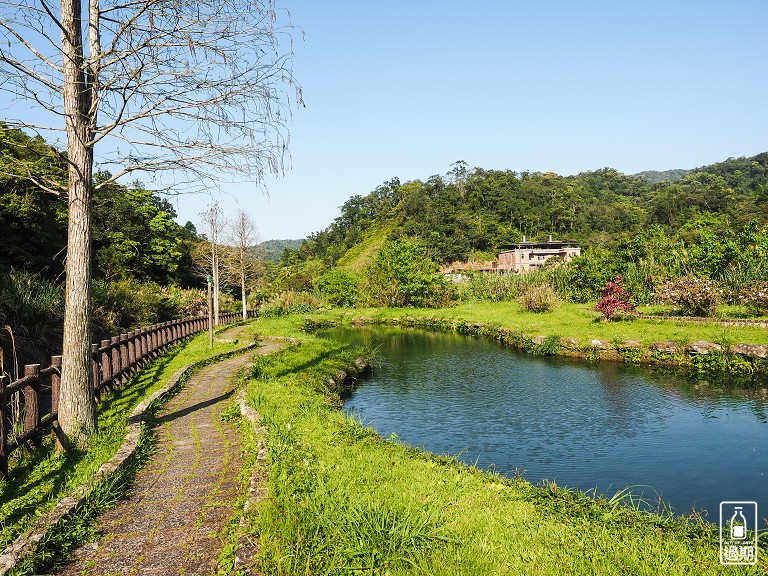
x=273 y=249
x=363 y=253
x=712 y=222
x=471 y=212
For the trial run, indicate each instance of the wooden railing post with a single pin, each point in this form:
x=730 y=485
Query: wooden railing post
x=32 y=398
x=114 y=343
x=55 y=383
x=155 y=341
x=136 y=349
x=96 y=367
x=141 y=351
x=106 y=362
x=125 y=362
x=3 y=431
x=132 y=351
x=149 y=349
x=146 y=338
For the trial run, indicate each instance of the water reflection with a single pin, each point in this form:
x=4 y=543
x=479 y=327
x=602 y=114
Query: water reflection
x=589 y=426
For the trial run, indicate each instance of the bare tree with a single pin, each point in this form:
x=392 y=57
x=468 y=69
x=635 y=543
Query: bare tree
x=243 y=236
x=194 y=90
x=215 y=223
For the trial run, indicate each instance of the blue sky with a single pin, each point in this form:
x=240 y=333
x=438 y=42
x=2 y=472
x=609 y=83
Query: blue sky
x=405 y=88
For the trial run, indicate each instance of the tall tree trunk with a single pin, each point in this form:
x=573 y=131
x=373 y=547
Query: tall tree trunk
x=242 y=284
x=216 y=288
x=77 y=407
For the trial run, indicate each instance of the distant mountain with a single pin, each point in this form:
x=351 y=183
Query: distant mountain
x=273 y=249
x=654 y=176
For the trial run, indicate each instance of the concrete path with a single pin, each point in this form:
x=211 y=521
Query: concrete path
x=172 y=518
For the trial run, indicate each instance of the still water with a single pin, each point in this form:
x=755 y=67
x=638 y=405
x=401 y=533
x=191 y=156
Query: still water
x=588 y=426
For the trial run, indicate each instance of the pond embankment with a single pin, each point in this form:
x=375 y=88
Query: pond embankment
x=745 y=359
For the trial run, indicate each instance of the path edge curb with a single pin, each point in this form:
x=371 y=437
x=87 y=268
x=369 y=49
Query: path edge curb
x=256 y=491
x=26 y=543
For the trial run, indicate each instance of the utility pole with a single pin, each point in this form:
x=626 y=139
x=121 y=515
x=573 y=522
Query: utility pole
x=210 y=314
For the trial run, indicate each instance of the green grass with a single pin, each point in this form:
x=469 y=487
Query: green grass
x=577 y=321
x=342 y=500
x=362 y=253
x=38 y=480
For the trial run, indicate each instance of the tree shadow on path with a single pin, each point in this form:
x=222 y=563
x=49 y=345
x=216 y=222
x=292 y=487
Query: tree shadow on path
x=195 y=407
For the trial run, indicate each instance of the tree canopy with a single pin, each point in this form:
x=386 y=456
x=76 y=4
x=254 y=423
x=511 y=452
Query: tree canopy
x=471 y=212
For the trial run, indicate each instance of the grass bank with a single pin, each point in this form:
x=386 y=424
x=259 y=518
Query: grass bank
x=705 y=347
x=38 y=480
x=342 y=500
x=578 y=321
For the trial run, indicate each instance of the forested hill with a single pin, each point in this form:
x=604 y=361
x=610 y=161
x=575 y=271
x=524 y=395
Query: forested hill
x=273 y=249
x=654 y=176
x=470 y=212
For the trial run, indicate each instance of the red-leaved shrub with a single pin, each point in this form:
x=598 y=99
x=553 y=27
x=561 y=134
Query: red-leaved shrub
x=615 y=302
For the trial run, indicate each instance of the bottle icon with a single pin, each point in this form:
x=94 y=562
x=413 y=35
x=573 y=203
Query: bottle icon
x=738 y=524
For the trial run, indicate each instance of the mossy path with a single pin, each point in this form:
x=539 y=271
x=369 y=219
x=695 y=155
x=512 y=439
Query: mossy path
x=171 y=519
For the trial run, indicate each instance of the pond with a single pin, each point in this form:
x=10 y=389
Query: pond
x=589 y=426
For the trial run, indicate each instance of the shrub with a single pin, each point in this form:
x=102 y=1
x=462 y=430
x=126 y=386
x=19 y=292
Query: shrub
x=755 y=297
x=128 y=303
x=442 y=294
x=584 y=277
x=615 y=302
x=486 y=287
x=539 y=299
x=289 y=303
x=691 y=296
x=33 y=308
x=403 y=275
x=339 y=287
x=125 y=304
x=186 y=302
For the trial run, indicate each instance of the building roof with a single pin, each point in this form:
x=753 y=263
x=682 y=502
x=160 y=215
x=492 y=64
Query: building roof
x=552 y=245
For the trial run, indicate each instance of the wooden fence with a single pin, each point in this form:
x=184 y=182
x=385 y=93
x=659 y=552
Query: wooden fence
x=114 y=362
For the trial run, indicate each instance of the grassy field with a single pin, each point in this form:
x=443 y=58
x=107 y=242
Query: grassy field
x=577 y=321
x=38 y=480
x=343 y=500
